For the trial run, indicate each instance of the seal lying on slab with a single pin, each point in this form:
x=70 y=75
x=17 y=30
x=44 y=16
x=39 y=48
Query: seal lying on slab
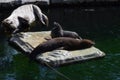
x=57 y=31
x=64 y=43
x=29 y=13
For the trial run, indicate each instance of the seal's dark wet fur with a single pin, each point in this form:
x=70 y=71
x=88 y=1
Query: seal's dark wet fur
x=57 y=31
x=64 y=42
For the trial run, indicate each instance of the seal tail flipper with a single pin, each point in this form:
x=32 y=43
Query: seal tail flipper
x=43 y=18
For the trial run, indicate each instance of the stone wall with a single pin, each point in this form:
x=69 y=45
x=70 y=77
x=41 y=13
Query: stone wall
x=13 y=3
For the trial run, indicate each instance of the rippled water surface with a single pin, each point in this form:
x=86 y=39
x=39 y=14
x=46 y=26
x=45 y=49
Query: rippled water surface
x=101 y=25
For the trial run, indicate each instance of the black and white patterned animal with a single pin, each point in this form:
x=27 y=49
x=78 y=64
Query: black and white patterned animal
x=23 y=17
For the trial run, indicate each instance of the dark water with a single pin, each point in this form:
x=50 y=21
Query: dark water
x=101 y=25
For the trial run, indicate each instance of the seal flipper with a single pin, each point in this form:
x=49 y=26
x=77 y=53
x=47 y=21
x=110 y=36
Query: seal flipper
x=43 y=18
x=15 y=31
x=24 y=25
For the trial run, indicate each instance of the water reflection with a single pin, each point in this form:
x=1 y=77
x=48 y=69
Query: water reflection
x=47 y=73
x=10 y=77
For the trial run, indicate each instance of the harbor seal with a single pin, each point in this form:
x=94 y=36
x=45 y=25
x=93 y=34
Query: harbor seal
x=64 y=43
x=57 y=31
x=28 y=13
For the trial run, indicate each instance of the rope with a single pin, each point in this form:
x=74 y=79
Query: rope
x=57 y=72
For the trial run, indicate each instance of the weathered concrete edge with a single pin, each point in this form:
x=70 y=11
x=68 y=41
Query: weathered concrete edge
x=79 y=59
x=17 y=42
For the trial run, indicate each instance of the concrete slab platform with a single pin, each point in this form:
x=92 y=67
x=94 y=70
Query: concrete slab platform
x=29 y=40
